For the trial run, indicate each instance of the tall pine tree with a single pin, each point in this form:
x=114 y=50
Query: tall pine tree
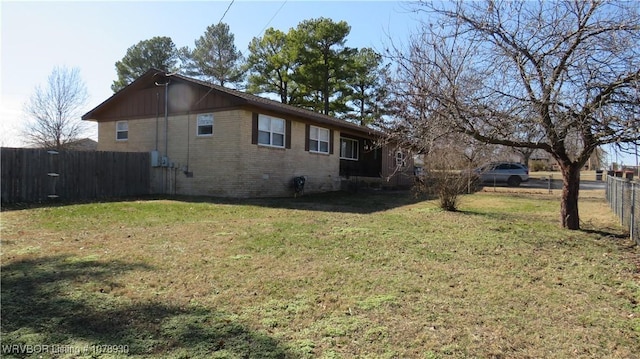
x=323 y=63
x=271 y=62
x=158 y=52
x=366 y=83
x=215 y=57
x=311 y=67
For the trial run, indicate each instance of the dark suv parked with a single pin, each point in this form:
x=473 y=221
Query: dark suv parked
x=510 y=173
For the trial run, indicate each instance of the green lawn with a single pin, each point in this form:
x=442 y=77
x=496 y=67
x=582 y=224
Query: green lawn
x=326 y=276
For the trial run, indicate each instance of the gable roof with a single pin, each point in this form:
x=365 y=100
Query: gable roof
x=239 y=97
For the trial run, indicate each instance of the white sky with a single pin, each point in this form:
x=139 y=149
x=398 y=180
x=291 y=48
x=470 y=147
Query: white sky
x=92 y=35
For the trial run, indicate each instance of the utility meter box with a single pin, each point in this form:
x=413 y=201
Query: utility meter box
x=155 y=158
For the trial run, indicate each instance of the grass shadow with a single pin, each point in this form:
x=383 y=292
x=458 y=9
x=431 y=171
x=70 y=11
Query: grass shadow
x=66 y=301
x=362 y=202
x=606 y=233
x=19 y=206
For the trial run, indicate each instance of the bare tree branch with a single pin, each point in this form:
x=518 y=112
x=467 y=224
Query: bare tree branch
x=54 y=111
x=563 y=77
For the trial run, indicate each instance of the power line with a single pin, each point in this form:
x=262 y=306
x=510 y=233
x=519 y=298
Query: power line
x=225 y=12
x=272 y=17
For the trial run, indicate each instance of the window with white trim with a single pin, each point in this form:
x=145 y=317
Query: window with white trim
x=122 y=130
x=271 y=131
x=348 y=149
x=318 y=139
x=205 y=124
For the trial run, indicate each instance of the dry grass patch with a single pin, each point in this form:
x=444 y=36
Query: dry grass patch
x=368 y=275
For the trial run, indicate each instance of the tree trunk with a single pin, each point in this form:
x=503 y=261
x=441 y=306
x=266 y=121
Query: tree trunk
x=526 y=155
x=570 y=190
x=283 y=91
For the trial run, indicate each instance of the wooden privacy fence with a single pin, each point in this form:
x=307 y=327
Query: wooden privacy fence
x=36 y=175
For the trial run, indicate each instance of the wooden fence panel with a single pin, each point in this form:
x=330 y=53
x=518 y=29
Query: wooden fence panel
x=35 y=175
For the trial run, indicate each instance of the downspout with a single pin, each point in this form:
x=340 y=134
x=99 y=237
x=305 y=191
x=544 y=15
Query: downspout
x=166 y=115
x=157 y=118
x=166 y=128
x=186 y=169
x=166 y=119
x=166 y=132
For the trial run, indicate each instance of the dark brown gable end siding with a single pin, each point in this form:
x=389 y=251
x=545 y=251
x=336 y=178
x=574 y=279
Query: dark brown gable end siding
x=187 y=97
x=149 y=101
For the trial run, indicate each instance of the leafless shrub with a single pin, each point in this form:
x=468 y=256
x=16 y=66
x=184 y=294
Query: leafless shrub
x=447 y=172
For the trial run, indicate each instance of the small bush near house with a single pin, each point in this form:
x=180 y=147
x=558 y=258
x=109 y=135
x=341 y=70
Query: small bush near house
x=446 y=185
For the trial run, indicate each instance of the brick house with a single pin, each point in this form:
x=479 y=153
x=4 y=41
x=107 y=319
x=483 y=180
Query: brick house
x=209 y=140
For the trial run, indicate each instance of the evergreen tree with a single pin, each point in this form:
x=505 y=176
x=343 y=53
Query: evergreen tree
x=271 y=62
x=311 y=67
x=158 y=52
x=323 y=63
x=215 y=57
x=366 y=82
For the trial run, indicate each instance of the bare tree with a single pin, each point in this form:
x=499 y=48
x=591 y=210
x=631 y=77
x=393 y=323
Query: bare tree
x=54 y=111
x=568 y=71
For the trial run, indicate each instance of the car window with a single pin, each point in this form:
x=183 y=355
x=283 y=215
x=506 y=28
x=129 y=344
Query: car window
x=503 y=167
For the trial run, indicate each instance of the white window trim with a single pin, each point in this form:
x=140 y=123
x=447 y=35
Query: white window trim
x=272 y=131
x=126 y=123
x=317 y=150
x=357 y=144
x=198 y=134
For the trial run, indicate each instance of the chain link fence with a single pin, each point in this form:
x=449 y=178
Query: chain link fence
x=623 y=196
